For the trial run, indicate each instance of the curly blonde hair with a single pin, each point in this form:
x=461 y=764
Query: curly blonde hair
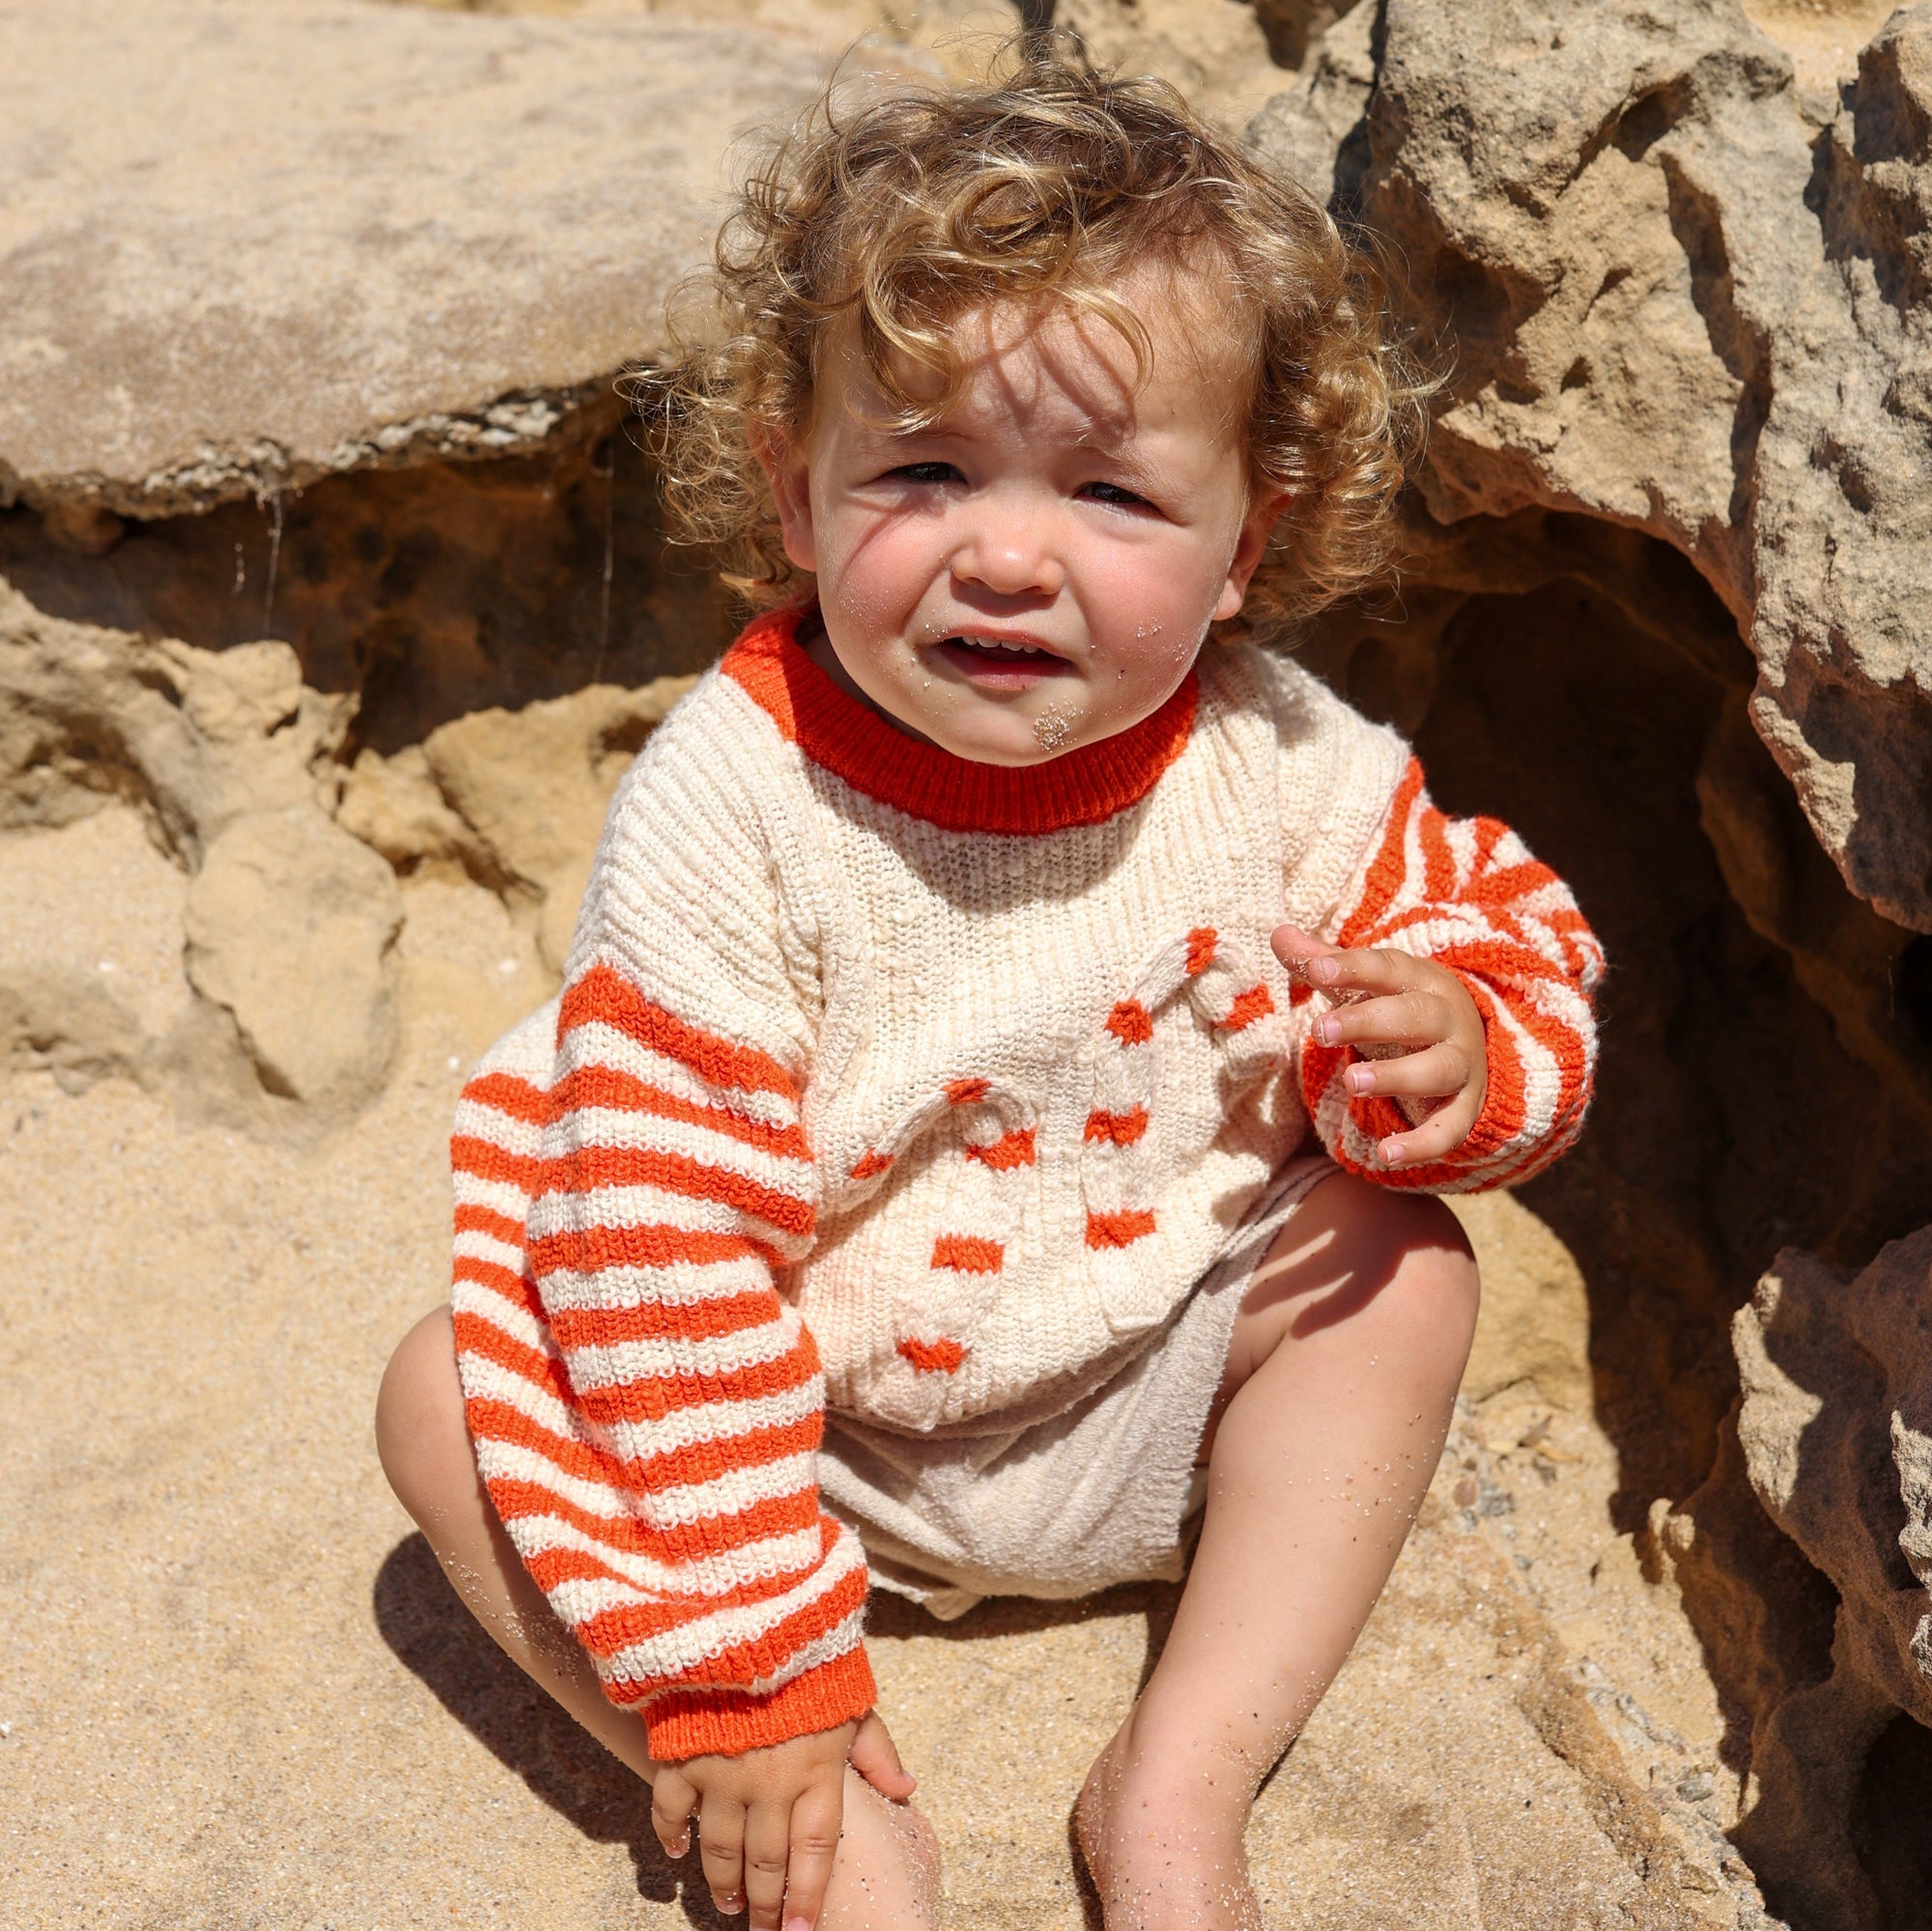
x=1047 y=185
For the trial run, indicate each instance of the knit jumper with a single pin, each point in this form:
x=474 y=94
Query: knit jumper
x=927 y=1090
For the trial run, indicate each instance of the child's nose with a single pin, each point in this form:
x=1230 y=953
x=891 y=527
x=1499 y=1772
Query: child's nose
x=1004 y=550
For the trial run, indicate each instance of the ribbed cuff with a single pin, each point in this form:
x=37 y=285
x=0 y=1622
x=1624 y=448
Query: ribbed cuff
x=728 y=1723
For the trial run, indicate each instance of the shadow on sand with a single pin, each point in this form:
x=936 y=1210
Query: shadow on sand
x=424 y=1622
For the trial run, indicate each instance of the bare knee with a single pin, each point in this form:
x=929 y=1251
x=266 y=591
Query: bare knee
x=420 y=1434
x=1434 y=1268
x=1357 y=1249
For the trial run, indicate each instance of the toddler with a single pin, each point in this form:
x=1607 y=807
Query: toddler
x=1016 y=1031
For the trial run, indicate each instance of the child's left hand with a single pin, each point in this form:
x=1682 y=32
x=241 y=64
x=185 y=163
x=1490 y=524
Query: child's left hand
x=1401 y=1002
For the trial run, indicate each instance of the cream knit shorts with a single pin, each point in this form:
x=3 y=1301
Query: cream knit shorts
x=1064 y=1506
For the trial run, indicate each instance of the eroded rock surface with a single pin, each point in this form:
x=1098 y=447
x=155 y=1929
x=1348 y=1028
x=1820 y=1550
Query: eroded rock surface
x=1671 y=290
x=243 y=246
x=1836 y=1432
x=289 y=925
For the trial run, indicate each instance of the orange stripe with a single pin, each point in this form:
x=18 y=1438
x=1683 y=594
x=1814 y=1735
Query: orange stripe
x=1129 y=1023
x=589 y=1249
x=1123 y=1129
x=1438 y=862
x=491 y=1420
x=1254 y=1004
x=592 y=1167
x=1009 y=1151
x=485 y=1160
x=676 y=1542
x=505 y=1092
x=647 y=1612
x=766 y=1655
x=616 y=1091
x=659 y=1321
x=478 y=1336
x=471 y=1219
x=869 y=1165
x=933 y=1357
x=1200 y=947
x=968 y=1254
x=515 y=1287
x=1388 y=869
x=712 y=1723
x=1119 y=1230
x=657 y=1397
x=601 y=994
x=967 y=1091
x=727 y=1454
x=652 y=1612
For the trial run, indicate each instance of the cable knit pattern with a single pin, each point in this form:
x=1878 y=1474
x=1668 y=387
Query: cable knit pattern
x=927 y=1090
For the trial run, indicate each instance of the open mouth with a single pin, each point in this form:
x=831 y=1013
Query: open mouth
x=1000 y=662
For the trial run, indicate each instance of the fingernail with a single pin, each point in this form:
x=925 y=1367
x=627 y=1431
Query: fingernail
x=1325 y=970
x=1390 y=1151
x=796 y=1924
x=1361 y=1079
x=1325 y=1030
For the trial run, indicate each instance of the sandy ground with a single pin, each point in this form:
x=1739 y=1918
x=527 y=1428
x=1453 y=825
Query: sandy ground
x=236 y=1691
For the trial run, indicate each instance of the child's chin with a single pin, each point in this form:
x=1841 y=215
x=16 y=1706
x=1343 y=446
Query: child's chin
x=1011 y=742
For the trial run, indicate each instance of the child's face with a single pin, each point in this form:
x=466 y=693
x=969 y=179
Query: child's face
x=1039 y=570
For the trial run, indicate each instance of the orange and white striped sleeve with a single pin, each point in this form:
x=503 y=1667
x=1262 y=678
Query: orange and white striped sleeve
x=1466 y=894
x=631 y=1170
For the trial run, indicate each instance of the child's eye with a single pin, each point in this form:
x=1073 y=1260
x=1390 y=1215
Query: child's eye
x=1113 y=493
x=927 y=472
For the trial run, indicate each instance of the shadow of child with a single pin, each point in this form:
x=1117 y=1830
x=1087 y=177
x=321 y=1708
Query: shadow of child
x=424 y=1622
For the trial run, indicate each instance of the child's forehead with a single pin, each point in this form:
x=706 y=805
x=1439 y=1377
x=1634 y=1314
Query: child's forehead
x=1151 y=340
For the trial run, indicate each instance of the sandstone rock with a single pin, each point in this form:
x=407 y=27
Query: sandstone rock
x=532 y=786
x=1533 y=1329
x=289 y=925
x=195 y=737
x=1836 y=1427
x=245 y=246
x=395 y=807
x=1667 y=299
x=69 y=1024
x=1835 y=1430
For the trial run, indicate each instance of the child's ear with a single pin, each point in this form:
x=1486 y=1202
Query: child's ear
x=1252 y=546
x=788 y=473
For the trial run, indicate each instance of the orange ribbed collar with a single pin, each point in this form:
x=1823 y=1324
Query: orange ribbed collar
x=1086 y=786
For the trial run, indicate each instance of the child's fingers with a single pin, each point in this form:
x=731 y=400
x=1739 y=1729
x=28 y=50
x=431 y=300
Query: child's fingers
x=1442 y=1133
x=1295 y=947
x=815 y=1819
x=1435 y=1072
x=721 y=1842
x=767 y=1852
x=1347 y=969
x=1396 y=1019
x=673 y=1799
x=876 y=1758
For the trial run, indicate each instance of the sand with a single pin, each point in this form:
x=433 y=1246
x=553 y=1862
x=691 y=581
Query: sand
x=237 y=1692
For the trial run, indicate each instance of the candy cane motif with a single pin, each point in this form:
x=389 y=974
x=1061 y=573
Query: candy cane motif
x=1118 y=1162
x=982 y=1191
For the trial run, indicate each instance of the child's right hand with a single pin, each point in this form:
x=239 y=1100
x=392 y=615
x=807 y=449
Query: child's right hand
x=768 y=1821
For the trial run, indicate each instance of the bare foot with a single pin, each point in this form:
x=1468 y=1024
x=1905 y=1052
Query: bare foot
x=1165 y=1848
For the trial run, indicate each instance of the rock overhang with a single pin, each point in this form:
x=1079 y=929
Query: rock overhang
x=243 y=247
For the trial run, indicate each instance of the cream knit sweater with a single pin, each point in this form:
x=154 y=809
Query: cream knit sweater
x=925 y=1089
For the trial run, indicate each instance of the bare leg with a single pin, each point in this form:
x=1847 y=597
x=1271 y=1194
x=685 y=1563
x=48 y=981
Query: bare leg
x=1339 y=1388
x=886 y=1878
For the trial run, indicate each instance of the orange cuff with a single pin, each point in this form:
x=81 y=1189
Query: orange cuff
x=728 y=1722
